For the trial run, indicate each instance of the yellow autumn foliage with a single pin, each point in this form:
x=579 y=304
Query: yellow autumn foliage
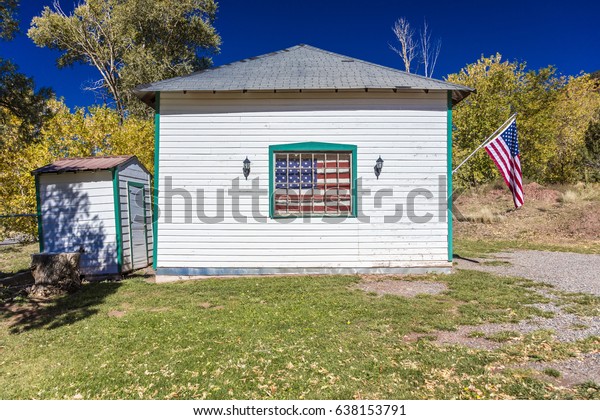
x=553 y=114
x=576 y=106
x=93 y=132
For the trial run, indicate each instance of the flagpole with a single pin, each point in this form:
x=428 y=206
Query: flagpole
x=486 y=141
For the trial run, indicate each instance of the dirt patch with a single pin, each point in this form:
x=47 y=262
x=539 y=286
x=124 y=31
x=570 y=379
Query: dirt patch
x=403 y=288
x=160 y=309
x=116 y=314
x=414 y=337
x=567 y=327
x=462 y=337
x=208 y=305
x=536 y=192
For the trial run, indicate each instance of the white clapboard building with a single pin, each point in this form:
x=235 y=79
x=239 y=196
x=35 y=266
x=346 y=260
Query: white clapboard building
x=99 y=206
x=348 y=168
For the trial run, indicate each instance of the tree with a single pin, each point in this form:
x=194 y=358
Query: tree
x=9 y=25
x=411 y=49
x=405 y=35
x=503 y=88
x=430 y=51
x=574 y=113
x=20 y=103
x=592 y=146
x=130 y=42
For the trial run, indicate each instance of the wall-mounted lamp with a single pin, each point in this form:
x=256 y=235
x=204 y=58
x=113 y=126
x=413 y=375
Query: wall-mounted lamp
x=378 y=167
x=246 y=167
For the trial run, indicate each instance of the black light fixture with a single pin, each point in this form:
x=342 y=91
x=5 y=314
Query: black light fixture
x=246 y=167
x=378 y=167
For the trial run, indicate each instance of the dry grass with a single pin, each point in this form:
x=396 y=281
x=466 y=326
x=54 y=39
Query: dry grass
x=557 y=217
x=481 y=215
x=569 y=196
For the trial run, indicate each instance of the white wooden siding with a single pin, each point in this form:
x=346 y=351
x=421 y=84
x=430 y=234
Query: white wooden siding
x=205 y=137
x=78 y=211
x=132 y=172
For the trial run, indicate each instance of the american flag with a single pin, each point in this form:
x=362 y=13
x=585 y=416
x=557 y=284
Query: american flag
x=504 y=151
x=310 y=185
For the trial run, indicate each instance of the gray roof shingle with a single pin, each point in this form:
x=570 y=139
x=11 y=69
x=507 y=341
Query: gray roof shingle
x=299 y=67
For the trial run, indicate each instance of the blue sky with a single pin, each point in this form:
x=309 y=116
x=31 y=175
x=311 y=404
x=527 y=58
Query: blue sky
x=563 y=34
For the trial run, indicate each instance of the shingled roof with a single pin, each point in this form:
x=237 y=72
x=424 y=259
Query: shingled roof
x=78 y=164
x=301 y=67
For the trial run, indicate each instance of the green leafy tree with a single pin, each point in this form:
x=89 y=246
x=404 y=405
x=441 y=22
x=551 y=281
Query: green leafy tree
x=130 y=42
x=9 y=25
x=574 y=112
x=592 y=147
x=503 y=88
x=18 y=98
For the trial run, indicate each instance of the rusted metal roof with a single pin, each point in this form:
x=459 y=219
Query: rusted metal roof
x=95 y=163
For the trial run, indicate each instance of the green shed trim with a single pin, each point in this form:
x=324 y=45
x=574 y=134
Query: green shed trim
x=143 y=188
x=38 y=204
x=156 y=181
x=312 y=146
x=118 y=220
x=449 y=176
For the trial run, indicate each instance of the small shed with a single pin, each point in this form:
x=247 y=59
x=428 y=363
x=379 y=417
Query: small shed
x=99 y=206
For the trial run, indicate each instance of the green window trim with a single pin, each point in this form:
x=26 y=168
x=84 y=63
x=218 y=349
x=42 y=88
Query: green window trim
x=449 y=176
x=156 y=182
x=317 y=147
x=118 y=221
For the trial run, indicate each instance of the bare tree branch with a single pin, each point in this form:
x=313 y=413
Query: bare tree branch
x=408 y=47
x=429 y=51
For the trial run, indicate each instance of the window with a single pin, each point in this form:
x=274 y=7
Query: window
x=313 y=179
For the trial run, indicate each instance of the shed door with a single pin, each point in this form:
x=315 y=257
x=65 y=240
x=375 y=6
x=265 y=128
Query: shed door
x=137 y=225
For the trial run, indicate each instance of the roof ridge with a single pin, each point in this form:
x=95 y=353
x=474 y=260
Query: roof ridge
x=95 y=157
x=380 y=66
x=243 y=60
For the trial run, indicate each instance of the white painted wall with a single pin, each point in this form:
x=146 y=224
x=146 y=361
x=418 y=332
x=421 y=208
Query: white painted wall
x=78 y=210
x=205 y=137
x=133 y=172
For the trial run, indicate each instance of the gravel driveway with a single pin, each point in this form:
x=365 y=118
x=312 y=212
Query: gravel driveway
x=568 y=272
x=565 y=270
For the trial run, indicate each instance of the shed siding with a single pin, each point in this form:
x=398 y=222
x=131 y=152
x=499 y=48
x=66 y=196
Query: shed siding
x=205 y=137
x=77 y=210
x=134 y=173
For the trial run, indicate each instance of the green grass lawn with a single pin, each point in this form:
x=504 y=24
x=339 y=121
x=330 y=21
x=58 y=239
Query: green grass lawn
x=16 y=258
x=271 y=337
x=475 y=248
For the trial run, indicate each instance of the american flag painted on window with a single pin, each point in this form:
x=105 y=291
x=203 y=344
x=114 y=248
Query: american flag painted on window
x=313 y=183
